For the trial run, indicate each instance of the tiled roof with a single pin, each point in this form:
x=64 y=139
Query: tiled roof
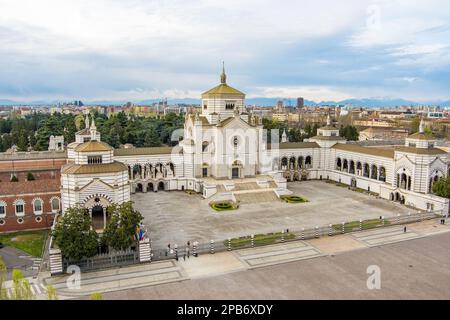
x=379 y=152
x=33 y=155
x=93 y=146
x=143 y=151
x=328 y=138
x=425 y=151
x=223 y=89
x=422 y=136
x=25 y=187
x=296 y=145
x=94 y=168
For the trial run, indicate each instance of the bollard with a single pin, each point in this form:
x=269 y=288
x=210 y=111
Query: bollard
x=229 y=244
x=212 y=246
x=343 y=227
x=303 y=233
x=194 y=249
x=330 y=230
x=398 y=218
x=252 y=240
x=383 y=221
x=360 y=224
x=317 y=232
x=282 y=235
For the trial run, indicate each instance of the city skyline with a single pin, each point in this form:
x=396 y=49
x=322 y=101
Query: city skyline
x=137 y=50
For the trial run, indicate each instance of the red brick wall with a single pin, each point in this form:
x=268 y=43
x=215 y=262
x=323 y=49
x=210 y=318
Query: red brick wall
x=30 y=222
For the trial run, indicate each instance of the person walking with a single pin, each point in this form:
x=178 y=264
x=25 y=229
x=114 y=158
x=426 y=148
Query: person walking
x=404 y=229
x=184 y=257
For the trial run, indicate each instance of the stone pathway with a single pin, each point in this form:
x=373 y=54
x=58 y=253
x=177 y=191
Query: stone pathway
x=120 y=279
x=256 y=197
x=275 y=254
x=386 y=235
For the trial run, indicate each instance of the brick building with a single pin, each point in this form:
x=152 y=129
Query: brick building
x=30 y=193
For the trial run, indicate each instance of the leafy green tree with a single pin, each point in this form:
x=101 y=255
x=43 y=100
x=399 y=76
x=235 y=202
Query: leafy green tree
x=74 y=236
x=21 y=289
x=96 y=296
x=3 y=294
x=51 y=293
x=151 y=138
x=14 y=178
x=349 y=132
x=22 y=143
x=442 y=187
x=120 y=232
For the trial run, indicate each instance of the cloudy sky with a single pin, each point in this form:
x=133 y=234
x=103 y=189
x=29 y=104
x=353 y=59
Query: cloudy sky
x=143 y=49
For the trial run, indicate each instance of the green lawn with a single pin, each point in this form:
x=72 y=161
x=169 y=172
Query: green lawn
x=30 y=242
x=259 y=239
x=223 y=206
x=366 y=224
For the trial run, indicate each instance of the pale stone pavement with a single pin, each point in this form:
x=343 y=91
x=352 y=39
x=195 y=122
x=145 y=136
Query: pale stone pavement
x=221 y=264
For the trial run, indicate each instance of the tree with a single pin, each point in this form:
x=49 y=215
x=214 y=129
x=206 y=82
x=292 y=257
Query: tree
x=14 y=179
x=74 y=236
x=51 y=293
x=96 y=296
x=151 y=138
x=30 y=176
x=3 y=295
x=21 y=287
x=120 y=232
x=442 y=187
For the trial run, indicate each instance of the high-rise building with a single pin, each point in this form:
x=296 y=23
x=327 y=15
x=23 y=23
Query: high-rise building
x=300 y=103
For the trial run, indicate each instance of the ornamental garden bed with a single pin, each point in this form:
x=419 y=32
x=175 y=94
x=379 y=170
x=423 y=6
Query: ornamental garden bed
x=366 y=224
x=293 y=199
x=259 y=239
x=223 y=205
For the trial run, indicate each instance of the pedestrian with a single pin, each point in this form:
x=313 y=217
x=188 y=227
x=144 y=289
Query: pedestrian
x=404 y=229
x=184 y=257
x=188 y=243
x=287 y=230
x=187 y=251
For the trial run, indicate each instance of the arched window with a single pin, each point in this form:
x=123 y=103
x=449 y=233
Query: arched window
x=2 y=209
x=352 y=167
x=205 y=145
x=56 y=205
x=339 y=164
x=345 y=166
x=374 y=172
x=359 y=168
x=308 y=162
x=19 y=206
x=366 y=170
x=300 y=162
x=37 y=206
x=382 y=174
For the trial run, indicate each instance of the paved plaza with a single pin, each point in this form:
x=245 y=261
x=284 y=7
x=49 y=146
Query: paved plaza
x=176 y=217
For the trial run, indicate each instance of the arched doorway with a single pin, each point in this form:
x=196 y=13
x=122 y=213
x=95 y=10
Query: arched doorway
x=150 y=186
x=98 y=217
x=139 y=187
x=236 y=170
x=161 y=185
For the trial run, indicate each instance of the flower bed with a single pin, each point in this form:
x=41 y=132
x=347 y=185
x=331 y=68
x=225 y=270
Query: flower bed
x=294 y=199
x=223 y=206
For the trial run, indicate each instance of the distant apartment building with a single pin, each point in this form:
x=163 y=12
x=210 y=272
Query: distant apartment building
x=300 y=103
x=374 y=123
x=380 y=133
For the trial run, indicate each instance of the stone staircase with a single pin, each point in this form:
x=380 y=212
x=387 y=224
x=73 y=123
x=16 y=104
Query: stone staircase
x=256 y=197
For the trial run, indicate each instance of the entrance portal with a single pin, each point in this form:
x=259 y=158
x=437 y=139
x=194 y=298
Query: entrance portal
x=98 y=217
x=235 y=173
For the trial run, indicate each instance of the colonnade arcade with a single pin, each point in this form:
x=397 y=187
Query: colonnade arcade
x=151 y=171
x=361 y=169
x=295 y=168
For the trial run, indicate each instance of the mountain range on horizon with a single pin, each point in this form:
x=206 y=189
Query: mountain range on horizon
x=266 y=102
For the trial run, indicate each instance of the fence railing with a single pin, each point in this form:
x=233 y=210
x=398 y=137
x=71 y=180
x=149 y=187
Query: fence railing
x=104 y=260
x=249 y=241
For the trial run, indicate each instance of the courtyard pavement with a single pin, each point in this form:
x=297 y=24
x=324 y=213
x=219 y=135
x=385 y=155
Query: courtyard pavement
x=176 y=217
